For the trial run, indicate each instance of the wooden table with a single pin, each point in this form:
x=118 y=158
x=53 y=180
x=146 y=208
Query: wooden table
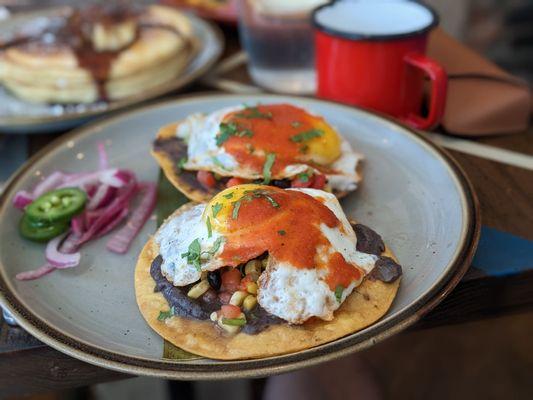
x=488 y=289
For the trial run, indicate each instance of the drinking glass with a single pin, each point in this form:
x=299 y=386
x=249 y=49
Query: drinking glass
x=278 y=38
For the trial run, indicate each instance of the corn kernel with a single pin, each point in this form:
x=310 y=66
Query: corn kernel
x=237 y=298
x=253 y=267
x=199 y=289
x=249 y=302
x=251 y=287
x=254 y=276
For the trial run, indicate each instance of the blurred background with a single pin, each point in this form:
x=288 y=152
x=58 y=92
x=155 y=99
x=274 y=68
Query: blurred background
x=500 y=29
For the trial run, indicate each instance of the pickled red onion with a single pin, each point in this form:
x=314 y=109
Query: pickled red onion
x=110 y=192
x=58 y=259
x=103 y=161
x=36 y=273
x=121 y=241
x=22 y=199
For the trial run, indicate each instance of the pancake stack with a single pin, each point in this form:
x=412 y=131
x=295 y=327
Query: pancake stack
x=97 y=53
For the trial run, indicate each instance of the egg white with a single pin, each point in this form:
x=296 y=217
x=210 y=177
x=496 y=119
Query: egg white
x=296 y=295
x=293 y=294
x=174 y=238
x=199 y=132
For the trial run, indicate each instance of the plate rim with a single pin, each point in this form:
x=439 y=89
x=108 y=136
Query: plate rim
x=205 y=12
x=171 y=369
x=21 y=122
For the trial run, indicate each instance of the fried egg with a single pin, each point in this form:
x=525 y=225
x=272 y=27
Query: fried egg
x=313 y=264
x=237 y=142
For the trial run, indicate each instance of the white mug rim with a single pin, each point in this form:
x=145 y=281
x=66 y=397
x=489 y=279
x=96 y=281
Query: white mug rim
x=374 y=36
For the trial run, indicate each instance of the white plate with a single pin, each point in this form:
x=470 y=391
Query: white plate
x=413 y=194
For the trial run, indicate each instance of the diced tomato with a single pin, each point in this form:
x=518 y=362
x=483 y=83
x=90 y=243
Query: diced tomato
x=231 y=280
x=235 y=181
x=207 y=179
x=244 y=281
x=230 y=311
x=224 y=297
x=319 y=181
x=298 y=183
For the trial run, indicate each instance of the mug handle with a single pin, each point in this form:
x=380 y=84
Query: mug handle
x=437 y=102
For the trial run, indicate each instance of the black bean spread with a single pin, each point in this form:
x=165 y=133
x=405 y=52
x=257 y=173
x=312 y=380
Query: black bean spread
x=258 y=319
x=386 y=270
x=368 y=241
x=177 y=297
x=175 y=149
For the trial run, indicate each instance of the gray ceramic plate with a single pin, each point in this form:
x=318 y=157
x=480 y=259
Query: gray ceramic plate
x=18 y=116
x=413 y=194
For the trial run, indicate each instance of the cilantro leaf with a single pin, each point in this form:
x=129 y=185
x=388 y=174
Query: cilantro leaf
x=282 y=232
x=304 y=177
x=267 y=167
x=249 y=195
x=338 y=292
x=219 y=164
x=209 y=228
x=163 y=315
x=228 y=196
x=226 y=131
x=230 y=129
x=182 y=161
x=195 y=246
x=274 y=203
x=236 y=207
x=193 y=254
x=245 y=132
x=253 y=112
x=216 y=245
x=307 y=135
x=216 y=209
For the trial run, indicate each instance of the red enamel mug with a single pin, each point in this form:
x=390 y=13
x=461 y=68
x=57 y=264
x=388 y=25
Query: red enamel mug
x=372 y=54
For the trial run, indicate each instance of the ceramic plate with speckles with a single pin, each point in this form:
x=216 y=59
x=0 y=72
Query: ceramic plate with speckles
x=19 y=116
x=413 y=193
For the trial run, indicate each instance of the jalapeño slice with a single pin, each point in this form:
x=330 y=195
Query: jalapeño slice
x=57 y=205
x=40 y=231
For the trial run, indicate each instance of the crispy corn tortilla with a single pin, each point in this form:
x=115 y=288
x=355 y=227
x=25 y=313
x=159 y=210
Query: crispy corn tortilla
x=367 y=303
x=185 y=181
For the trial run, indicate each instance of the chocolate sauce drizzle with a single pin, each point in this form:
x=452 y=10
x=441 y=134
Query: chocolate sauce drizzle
x=74 y=31
x=98 y=63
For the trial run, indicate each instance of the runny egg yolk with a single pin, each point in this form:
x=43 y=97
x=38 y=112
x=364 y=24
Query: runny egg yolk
x=325 y=149
x=255 y=219
x=289 y=132
x=221 y=207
